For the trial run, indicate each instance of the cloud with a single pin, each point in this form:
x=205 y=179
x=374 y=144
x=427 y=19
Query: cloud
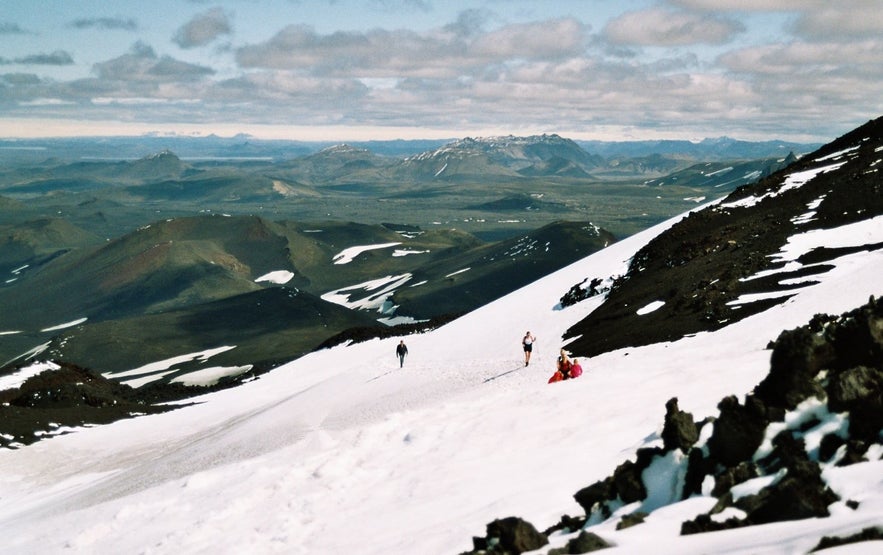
x=861 y=20
x=469 y=23
x=7 y=28
x=547 y=39
x=452 y=51
x=203 y=29
x=808 y=60
x=57 y=58
x=755 y=5
x=815 y=19
x=107 y=23
x=400 y=5
x=20 y=78
x=141 y=64
x=664 y=27
x=477 y=72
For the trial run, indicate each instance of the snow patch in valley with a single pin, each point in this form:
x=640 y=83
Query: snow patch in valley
x=210 y=376
x=66 y=325
x=651 y=307
x=157 y=370
x=457 y=272
x=406 y=252
x=348 y=255
x=280 y=277
x=381 y=289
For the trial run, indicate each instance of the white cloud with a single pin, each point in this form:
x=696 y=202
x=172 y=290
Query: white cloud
x=203 y=29
x=861 y=20
x=664 y=27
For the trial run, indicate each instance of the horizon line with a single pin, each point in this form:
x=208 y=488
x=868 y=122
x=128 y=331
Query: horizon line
x=33 y=129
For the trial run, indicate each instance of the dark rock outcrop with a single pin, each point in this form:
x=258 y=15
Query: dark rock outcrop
x=873 y=533
x=510 y=535
x=798 y=357
x=738 y=431
x=679 y=431
x=585 y=542
x=57 y=401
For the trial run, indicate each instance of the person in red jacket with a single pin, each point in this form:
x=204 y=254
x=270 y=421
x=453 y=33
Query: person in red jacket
x=564 y=366
x=575 y=369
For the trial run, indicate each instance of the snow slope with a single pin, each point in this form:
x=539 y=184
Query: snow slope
x=342 y=452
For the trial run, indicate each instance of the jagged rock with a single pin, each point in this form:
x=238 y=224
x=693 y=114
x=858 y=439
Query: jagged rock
x=703 y=523
x=797 y=358
x=859 y=391
x=679 y=430
x=858 y=336
x=586 y=542
x=873 y=533
x=787 y=451
x=597 y=493
x=829 y=445
x=630 y=520
x=512 y=535
x=627 y=479
x=739 y=430
x=800 y=494
x=698 y=467
x=855 y=453
x=857 y=384
x=567 y=524
x=732 y=476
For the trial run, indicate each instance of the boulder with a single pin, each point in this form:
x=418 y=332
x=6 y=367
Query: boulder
x=513 y=535
x=738 y=431
x=679 y=430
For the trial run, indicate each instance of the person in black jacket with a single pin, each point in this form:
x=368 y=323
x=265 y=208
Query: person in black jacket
x=527 y=344
x=401 y=352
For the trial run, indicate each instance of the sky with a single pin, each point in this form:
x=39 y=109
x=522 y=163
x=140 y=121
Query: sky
x=341 y=451
x=805 y=70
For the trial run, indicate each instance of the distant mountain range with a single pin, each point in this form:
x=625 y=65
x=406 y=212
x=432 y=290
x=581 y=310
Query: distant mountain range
x=119 y=257
x=245 y=147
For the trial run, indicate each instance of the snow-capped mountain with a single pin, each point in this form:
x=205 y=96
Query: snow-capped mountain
x=343 y=451
x=534 y=155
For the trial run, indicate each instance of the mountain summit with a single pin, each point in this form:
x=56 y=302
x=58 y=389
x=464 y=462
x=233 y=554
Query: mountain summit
x=532 y=155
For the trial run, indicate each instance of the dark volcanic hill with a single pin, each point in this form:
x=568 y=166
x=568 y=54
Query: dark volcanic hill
x=728 y=261
x=185 y=285
x=29 y=245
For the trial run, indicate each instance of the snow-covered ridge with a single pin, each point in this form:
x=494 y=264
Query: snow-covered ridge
x=470 y=146
x=343 y=148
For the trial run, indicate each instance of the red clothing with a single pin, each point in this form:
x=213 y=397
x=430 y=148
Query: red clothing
x=556 y=377
x=576 y=371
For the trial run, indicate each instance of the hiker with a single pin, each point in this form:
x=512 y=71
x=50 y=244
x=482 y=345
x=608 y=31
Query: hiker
x=563 y=370
x=527 y=344
x=564 y=364
x=401 y=352
x=575 y=369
